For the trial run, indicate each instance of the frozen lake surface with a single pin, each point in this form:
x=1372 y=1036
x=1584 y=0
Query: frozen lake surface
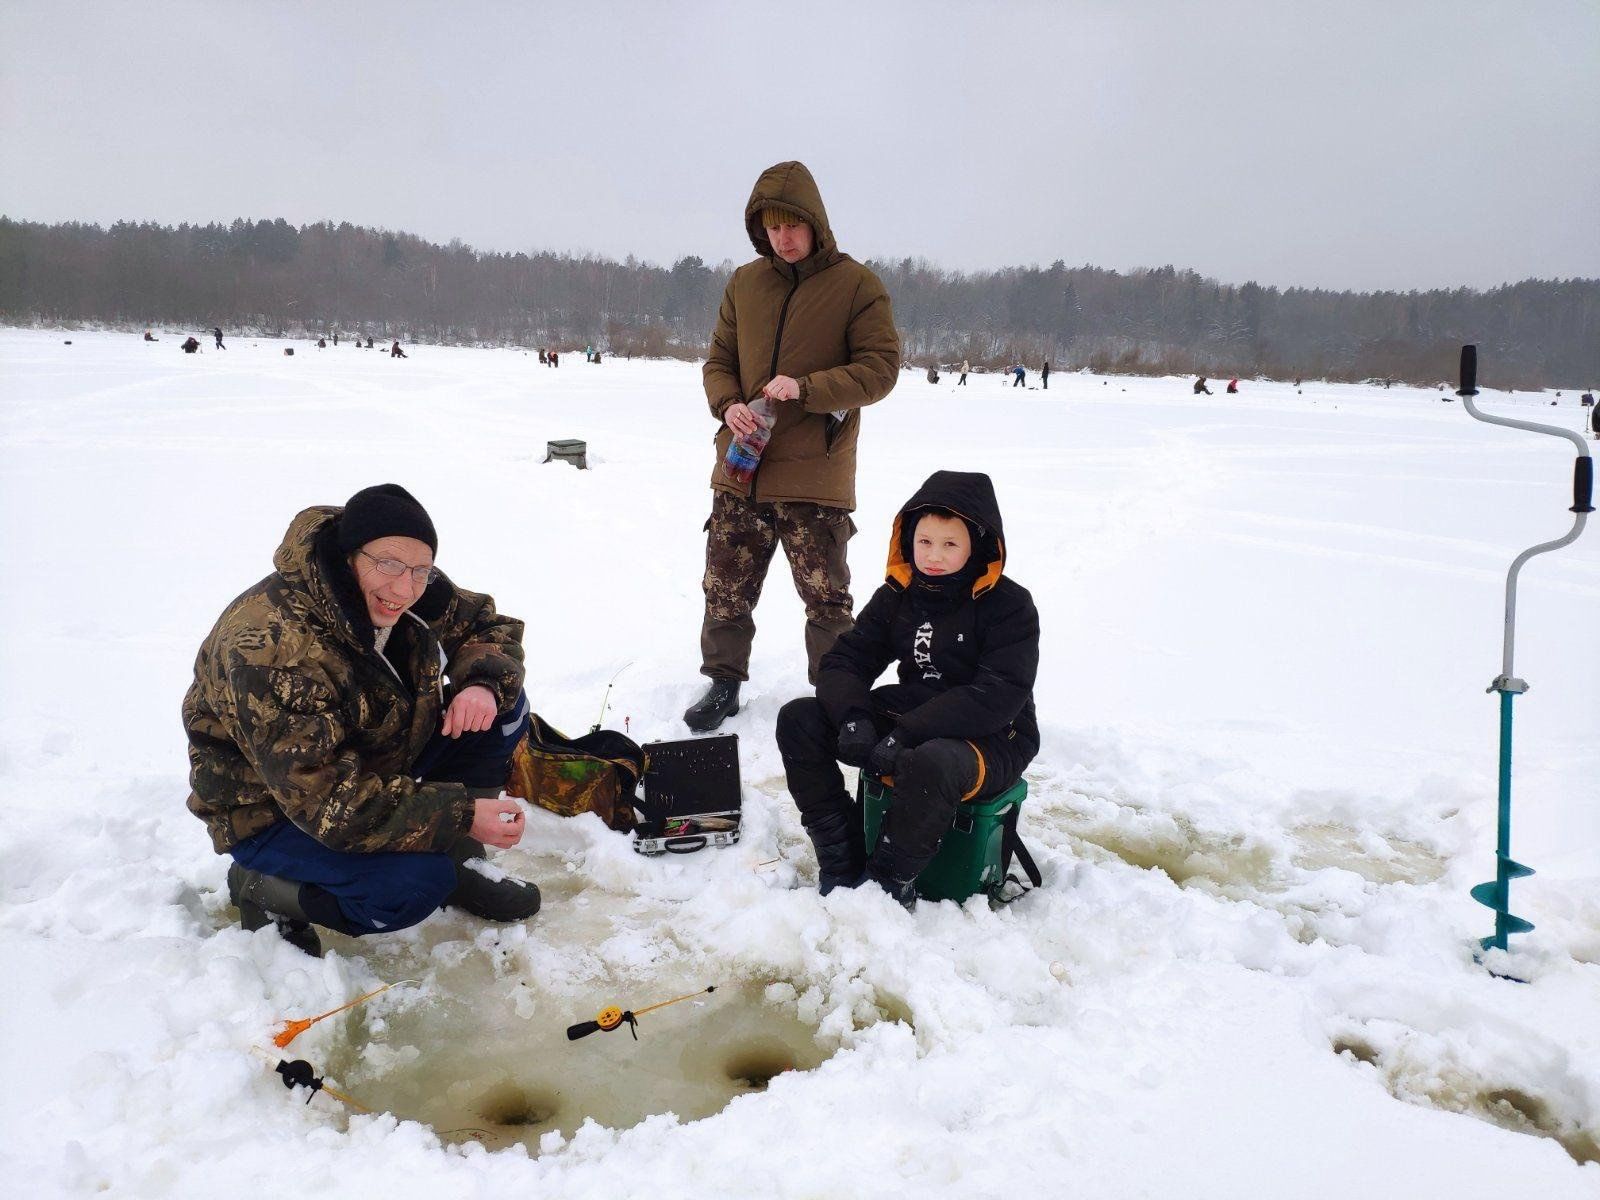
x=1266 y=784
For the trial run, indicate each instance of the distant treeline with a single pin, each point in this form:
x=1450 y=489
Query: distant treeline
x=273 y=277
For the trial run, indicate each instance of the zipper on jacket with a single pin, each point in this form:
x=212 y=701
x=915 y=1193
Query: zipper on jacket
x=783 y=315
x=777 y=345
x=400 y=683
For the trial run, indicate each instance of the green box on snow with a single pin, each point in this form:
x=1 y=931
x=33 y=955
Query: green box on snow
x=968 y=860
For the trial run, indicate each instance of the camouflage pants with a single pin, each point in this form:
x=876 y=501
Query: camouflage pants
x=741 y=536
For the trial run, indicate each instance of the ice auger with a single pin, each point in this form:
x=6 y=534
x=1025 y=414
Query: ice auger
x=1496 y=893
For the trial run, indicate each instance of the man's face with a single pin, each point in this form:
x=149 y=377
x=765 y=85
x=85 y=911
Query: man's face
x=387 y=569
x=791 y=241
x=941 y=545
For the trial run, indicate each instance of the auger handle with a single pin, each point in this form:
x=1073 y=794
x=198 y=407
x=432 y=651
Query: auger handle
x=1583 y=485
x=1469 y=371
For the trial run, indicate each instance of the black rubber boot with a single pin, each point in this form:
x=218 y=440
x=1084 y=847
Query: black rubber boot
x=721 y=701
x=841 y=847
x=504 y=899
x=262 y=898
x=894 y=871
x=903 y=891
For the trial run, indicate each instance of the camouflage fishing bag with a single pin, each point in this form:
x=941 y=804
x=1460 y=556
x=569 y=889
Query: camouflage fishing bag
x=598 y=772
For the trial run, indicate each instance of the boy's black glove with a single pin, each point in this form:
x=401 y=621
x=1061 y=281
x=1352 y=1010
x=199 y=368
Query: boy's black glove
x=882 y=759
x=857 y=737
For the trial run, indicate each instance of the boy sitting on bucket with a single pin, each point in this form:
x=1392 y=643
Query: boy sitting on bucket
x=958 y=725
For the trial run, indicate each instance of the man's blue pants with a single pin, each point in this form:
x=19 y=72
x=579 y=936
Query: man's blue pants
x=357 y=893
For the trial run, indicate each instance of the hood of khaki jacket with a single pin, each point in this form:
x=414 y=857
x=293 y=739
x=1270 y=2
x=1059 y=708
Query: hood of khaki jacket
x=789 y=186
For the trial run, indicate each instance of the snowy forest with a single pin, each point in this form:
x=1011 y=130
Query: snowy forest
x=276 y=278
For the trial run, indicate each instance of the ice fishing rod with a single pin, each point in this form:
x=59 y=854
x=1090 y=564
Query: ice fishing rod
x=297 y=1072
x=1496 y=893
x=605 y=700
x=613 y=1017
x=294 y=1028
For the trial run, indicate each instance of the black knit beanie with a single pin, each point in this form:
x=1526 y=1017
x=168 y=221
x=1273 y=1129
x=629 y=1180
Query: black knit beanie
x=385 y=510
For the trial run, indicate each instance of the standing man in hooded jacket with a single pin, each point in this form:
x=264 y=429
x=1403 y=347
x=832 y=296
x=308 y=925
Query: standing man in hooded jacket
x=812 y=330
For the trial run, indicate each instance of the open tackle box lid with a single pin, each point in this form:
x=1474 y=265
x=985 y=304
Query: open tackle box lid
x=691 y=795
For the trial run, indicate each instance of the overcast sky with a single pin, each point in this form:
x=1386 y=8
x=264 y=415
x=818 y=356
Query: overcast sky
x=1398 y=143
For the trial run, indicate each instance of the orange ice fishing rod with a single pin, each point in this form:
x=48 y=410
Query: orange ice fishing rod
x=613 y=1017
x=294 y=1028
x=300 y=1073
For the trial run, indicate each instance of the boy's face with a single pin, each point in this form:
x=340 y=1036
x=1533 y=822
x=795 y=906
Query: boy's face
x=941 y=545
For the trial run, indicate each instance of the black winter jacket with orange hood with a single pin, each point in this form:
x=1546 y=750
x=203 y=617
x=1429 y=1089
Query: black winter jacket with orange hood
x=967 y=644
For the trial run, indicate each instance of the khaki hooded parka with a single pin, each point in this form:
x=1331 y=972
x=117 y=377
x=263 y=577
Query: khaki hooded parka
x=826 y=322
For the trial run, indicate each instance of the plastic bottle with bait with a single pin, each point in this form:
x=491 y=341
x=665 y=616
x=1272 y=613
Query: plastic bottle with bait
x=744 y=453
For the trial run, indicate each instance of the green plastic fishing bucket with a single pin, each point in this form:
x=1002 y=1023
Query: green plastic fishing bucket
x=969 y=857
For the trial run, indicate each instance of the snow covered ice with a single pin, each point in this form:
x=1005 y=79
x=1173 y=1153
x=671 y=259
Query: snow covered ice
x=1266 y=784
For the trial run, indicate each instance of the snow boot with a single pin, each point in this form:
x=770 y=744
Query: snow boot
x=903 y=891
x=504 y=899
x=721 y=701
x=892 y=871
x=262 y=898
x=841 y=848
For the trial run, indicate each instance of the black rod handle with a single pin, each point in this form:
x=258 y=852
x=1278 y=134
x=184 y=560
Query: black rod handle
x=582 y=1029
x=1469 y=371
x=1583 y=485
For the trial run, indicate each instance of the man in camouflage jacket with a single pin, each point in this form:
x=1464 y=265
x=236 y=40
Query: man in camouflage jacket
x=324 y=756
x=812 y=331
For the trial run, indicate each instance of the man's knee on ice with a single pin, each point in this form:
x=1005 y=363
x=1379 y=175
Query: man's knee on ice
x=404 y=893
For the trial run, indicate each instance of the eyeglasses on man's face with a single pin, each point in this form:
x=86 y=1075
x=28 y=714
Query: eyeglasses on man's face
x=394 y=568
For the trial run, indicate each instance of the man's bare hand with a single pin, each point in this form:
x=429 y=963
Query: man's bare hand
x=497 y=822
x=472 y=711
x=781 y=387
x=740 y=419
x=743 y=421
